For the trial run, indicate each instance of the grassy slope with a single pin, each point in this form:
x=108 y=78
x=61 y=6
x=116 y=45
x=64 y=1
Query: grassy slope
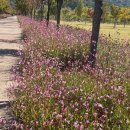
x=118 y=32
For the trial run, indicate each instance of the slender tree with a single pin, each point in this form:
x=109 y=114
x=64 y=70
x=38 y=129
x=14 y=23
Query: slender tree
x=59 y=6
x=41 y=9
x=95 y=32
x=124 y=15
x=106 y=11
x=115 y=12
x=49 y=2
x=79 y=9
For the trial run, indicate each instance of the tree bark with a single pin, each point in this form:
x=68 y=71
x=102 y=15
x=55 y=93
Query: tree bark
x=59 y=6
x=34 y=13
x=42 y=7
x=124 y=23
x=114 y=24
x=48 y=12
x=95 y=32
x=31 y=13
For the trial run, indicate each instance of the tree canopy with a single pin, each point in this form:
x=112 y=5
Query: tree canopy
x=4 y=6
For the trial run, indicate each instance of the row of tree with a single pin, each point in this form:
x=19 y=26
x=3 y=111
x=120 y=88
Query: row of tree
x=29 y=7
x=111 y=13
x=116 y=13
x=47 y=8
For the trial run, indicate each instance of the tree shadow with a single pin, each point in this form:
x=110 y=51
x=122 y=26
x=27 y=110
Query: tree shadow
x=6 y=26
x=1 y=22
x=4 y=104
x=7 y=34
x=10 y=41
x=5 y=109
x=11 y=52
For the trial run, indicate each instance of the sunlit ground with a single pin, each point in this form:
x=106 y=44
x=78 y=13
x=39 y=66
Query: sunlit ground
x=107 y=29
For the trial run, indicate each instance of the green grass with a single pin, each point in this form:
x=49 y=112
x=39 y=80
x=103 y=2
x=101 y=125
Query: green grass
x=117 y=33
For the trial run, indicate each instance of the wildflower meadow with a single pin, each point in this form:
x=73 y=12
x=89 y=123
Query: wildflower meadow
x=58 y=91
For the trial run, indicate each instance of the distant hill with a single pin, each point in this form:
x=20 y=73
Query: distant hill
x=91 y=2
x=116 y=2
x=120 y=2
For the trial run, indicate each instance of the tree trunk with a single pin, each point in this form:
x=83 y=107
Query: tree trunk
x=34 y=13
x=124 y=23
x=31 y=13
x=59 y=6
x=48 y=12
x=95 y=32
x=42 y=7
x=114 y=24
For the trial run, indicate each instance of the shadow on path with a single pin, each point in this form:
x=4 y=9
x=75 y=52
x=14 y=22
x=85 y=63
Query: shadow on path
x=4 y=104
x=5 y=107
x=11 y=52
x=9 y=41
x=1 y=22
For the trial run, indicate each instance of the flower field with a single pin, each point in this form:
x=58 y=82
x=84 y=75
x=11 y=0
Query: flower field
x=58 y=91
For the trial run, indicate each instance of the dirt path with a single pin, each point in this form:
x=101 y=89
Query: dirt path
x=10 y=34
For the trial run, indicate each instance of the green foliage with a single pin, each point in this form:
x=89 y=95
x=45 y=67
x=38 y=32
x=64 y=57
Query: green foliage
x=21 y=6
x=79 y=9
x=53 y=10
x=106 y=12
x=124 y=15
x=111 y=13
x=68 y=15
x=115 y=11
x=4 y=6
x=85 y=16
x=44 y=12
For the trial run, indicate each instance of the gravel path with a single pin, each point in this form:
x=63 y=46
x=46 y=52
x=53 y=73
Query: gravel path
x=10 y=34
